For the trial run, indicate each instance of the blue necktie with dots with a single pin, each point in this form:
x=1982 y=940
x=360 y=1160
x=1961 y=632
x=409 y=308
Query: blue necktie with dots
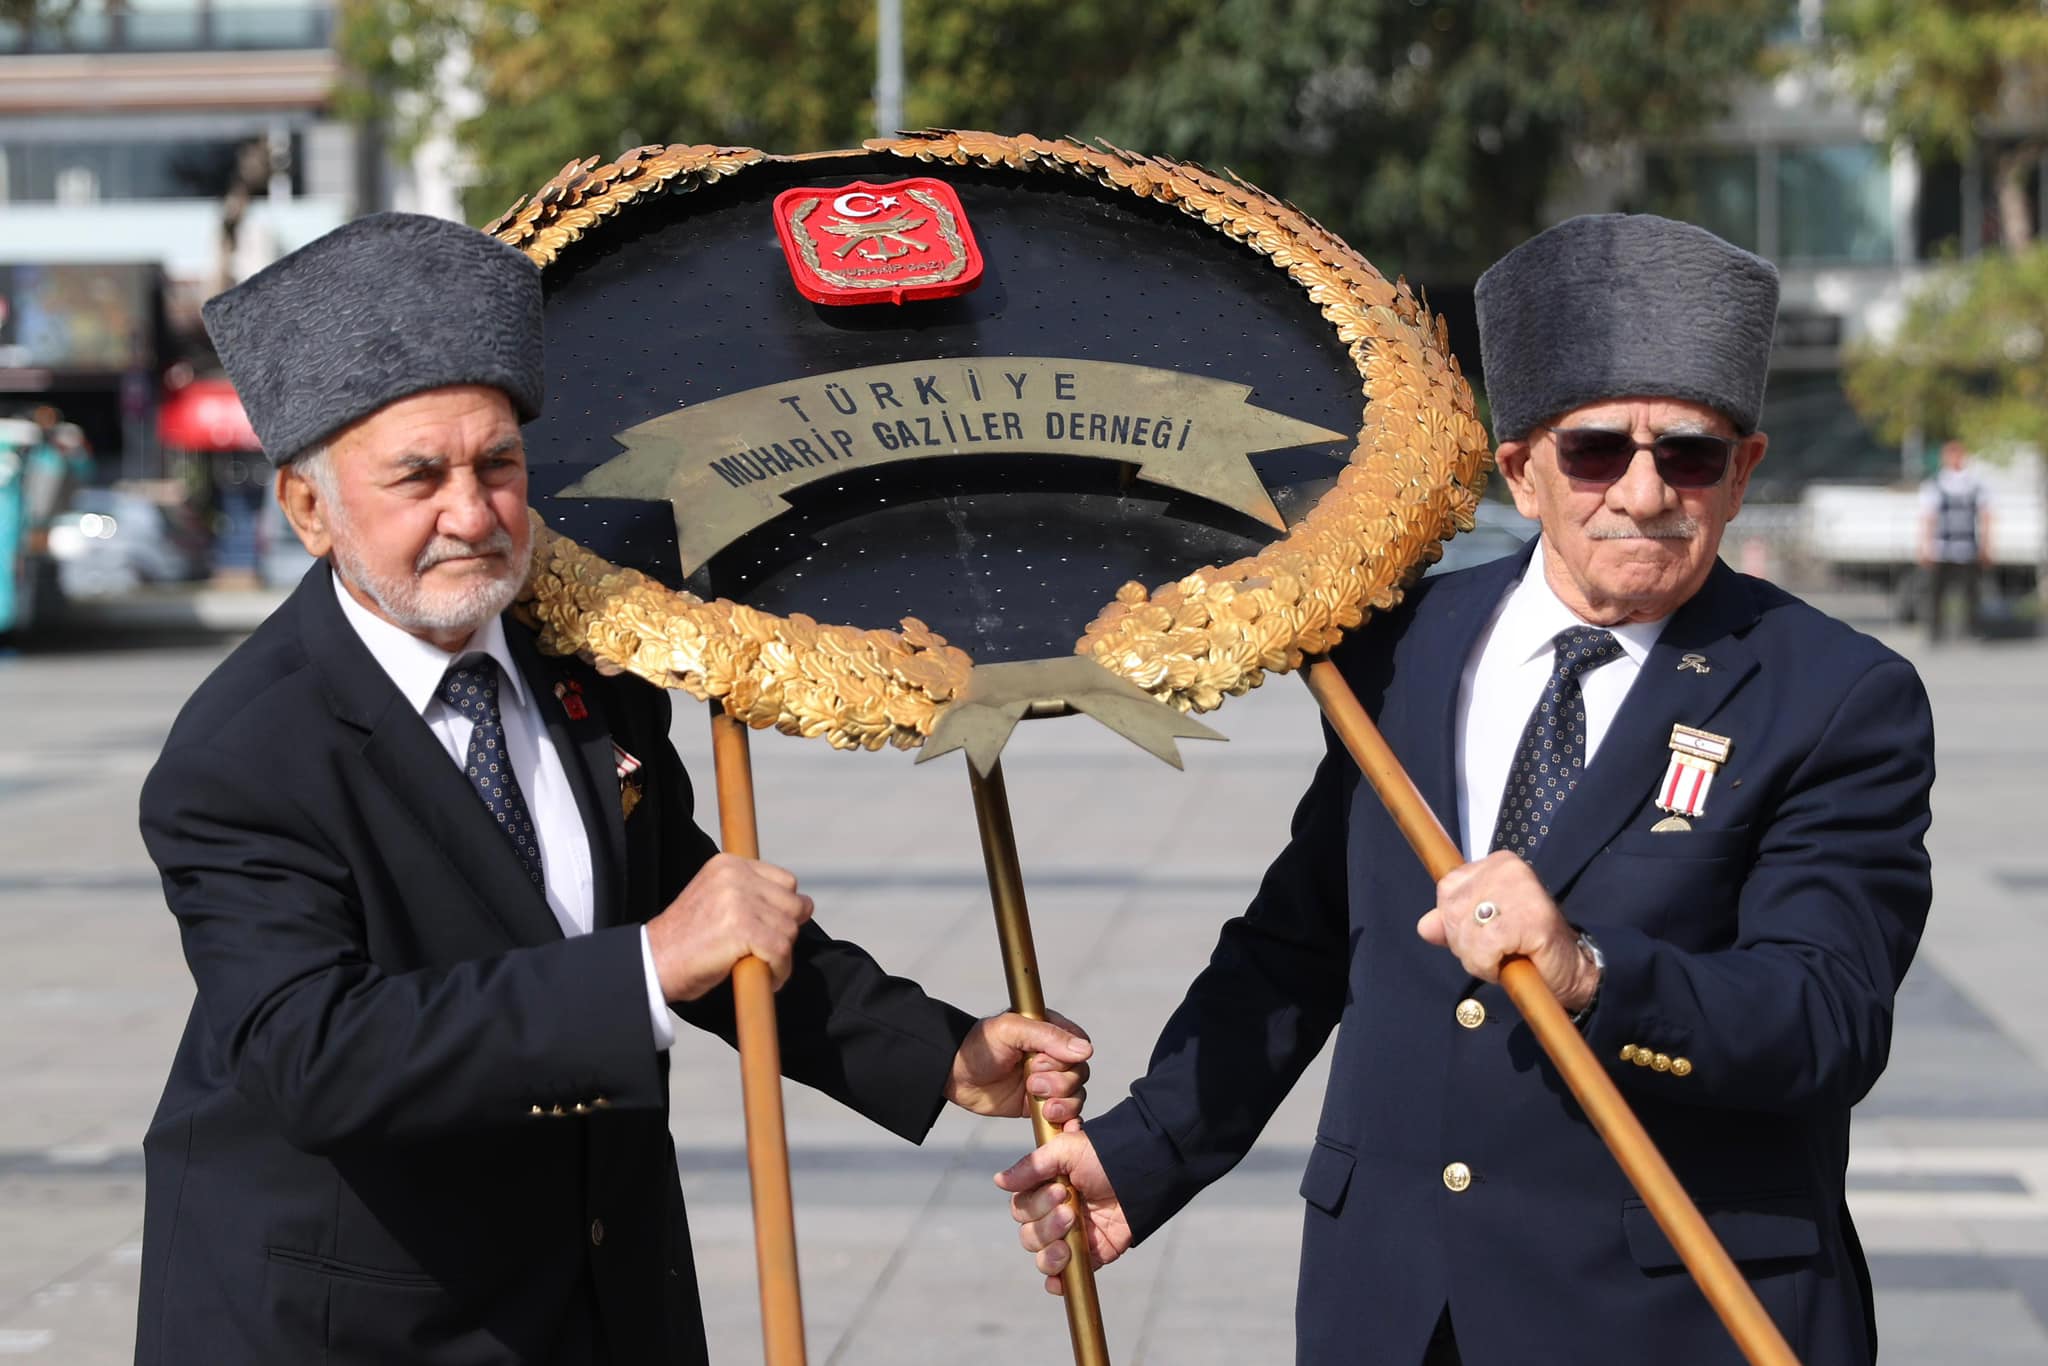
x=471 y=687
x=1552 y=753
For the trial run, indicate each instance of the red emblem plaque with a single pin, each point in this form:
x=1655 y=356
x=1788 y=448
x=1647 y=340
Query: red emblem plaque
x=873 y=244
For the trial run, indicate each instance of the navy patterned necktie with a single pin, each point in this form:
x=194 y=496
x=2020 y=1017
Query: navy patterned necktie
x=471 y=687
x=1552 y=753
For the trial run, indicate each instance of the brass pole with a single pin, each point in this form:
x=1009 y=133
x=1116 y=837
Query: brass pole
x=753 y=1001
x=1724 y=1286
x=1020 y=970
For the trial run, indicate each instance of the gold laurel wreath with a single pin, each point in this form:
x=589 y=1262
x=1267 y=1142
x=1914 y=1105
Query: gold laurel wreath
x=1413 y=479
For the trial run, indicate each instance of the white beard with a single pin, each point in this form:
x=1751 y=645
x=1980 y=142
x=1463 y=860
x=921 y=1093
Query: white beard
x=410 y=604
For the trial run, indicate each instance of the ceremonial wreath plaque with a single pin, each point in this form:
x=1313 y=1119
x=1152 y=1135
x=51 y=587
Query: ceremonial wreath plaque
x=1172 y=425
x=898 y=446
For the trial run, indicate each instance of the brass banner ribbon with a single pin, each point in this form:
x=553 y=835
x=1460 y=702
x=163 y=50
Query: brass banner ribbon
x=726 y=464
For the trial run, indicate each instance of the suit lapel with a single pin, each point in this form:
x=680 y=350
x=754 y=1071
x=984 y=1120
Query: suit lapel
x=1632 y=757
x=584 y=744
x=416 y=770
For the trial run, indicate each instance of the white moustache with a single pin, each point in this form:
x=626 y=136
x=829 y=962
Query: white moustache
x=499 y=542
x=1673 y=529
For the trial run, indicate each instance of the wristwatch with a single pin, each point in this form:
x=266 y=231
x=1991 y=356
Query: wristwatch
x=1590 y=947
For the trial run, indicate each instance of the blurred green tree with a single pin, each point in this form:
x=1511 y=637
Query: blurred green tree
x=558 y=79
x=1969 y=358
x=1432 y=134
x=1947 y=75
x=1430 y=131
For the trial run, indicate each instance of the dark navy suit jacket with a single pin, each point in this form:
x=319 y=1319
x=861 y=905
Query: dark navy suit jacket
x=409 y=1121
x=1764 y=946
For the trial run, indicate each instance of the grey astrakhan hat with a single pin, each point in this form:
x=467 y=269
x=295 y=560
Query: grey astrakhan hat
x=1625 y=305
x=380 y=308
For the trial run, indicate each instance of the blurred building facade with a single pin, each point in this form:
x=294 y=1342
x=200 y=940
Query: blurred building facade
x=153 y=152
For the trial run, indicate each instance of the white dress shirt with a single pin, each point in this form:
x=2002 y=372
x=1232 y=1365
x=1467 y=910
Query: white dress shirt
x=417 y=667
x=1504 y=678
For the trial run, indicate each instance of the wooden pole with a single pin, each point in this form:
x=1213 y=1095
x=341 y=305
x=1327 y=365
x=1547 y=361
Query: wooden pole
x=1724 y=1286
x=1020 y=970
x=753 y=1001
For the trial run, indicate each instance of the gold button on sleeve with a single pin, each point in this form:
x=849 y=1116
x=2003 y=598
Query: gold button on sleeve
x=1457 y=1177
x=1661 y=1062
x=1628 y=1052
x=1470 y=1013
x=1681 y=1067
x=1642 y=1057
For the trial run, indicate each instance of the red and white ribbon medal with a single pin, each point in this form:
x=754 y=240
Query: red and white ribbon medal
x=1696 y=755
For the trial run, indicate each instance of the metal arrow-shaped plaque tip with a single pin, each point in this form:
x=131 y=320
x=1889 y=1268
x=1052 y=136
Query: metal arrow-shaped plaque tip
x=998 y=696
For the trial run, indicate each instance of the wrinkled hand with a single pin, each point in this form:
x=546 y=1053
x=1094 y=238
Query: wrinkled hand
x=1039 y=1186
x=734 y=908
x=1528 y=923
x=1006 y=1058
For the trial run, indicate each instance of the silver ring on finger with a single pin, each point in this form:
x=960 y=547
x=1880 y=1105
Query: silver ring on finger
x=1485 y=912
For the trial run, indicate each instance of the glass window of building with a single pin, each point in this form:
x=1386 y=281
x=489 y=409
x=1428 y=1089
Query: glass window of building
x=269 y=24
x=1834 y=204
x=1938 y=211
x=174 y=26
x=88 y=172
x=1717 y=190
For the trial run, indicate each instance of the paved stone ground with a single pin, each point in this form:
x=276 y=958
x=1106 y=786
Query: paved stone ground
x=908 y=1253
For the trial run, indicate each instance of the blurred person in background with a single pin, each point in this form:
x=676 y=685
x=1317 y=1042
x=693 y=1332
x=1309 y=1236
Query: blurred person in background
x=1955 y=538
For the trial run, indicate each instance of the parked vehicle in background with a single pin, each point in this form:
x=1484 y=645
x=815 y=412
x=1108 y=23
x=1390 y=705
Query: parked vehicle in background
x=111 y=541
x=33 y=476
x=1868 y=535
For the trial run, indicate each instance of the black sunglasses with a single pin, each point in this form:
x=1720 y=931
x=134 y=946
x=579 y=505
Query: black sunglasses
x=1599 y=455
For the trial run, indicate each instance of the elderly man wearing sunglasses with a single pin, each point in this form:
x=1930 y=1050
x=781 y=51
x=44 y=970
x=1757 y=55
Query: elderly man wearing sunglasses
x=1696 y=803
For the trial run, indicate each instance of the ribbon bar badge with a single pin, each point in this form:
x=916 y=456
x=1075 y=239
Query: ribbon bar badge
x=1696 y=755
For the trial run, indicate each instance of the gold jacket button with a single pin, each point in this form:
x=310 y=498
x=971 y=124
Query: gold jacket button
x=1681 y=1067
x=581 y=1108
x=1643 y=1056
x=536 y=1111
x=597 y=1233
x=558 y=1111
x=601 y=1103
x=1628 y=1052
x=1457 y=1177
x=1471 y=1014
x=1661 y=1062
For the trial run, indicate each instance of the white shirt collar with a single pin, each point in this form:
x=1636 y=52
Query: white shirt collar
x=417 y=666
x=1534 y=614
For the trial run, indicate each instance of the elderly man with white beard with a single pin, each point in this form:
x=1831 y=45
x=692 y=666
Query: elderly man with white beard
x=443 y=897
